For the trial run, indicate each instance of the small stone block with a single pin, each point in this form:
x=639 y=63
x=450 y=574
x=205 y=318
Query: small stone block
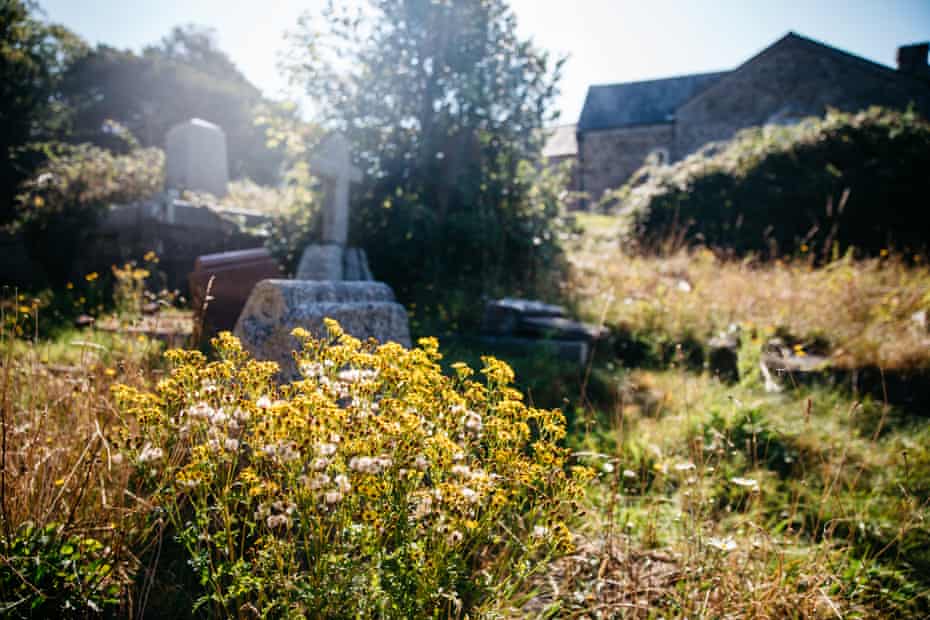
x=504 y=316
x=321 y=262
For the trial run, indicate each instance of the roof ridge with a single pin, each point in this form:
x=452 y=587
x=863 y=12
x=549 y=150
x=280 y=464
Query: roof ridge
x=663 y=79
x=806 y=40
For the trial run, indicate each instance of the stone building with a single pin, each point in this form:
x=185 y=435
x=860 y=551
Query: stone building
x=621 y=125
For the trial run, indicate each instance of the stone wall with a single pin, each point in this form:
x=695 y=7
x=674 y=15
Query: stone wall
x=790 y=80
x=607 y=158
x=177 y=245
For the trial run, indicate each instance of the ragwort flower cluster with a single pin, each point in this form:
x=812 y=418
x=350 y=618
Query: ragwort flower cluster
x=375 y=485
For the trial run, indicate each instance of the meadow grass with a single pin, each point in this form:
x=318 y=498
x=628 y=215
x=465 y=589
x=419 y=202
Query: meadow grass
x=863 y=312
x=725 y=500
x=712 y=499
x=721 y=500
x=69 y=516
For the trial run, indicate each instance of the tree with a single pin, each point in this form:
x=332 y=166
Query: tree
x=33 y=57
x=442 y=101
x=186 y=75
x=196 y=46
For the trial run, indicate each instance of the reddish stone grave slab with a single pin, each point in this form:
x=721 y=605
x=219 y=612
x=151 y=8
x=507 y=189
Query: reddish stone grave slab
x=234 y=275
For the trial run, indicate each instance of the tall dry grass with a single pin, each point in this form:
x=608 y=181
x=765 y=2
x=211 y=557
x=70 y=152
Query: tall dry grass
x=869 y=312
x=62 y=470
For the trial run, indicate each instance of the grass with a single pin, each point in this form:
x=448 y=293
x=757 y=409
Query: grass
x=712 y=499
x=63 y=476
x=866 y=313
x=724 y=501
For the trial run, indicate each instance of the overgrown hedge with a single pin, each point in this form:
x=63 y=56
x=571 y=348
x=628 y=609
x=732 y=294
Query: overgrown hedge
x=64 y=198
x=821 y=186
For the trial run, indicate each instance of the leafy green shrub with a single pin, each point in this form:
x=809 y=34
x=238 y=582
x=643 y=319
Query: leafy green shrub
x=46 y=573
x=34 y=54
x=441 y=264
x=822 y=185
x=68 y=193
x=375 y=486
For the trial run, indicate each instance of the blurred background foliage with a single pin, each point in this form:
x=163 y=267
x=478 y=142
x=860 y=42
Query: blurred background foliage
x=818 y=187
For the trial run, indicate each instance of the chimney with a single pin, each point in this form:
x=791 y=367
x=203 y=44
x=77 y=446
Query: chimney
x=912 y=59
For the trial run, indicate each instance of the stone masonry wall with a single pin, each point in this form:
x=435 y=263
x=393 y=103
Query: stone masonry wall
x=607 y=158
x=787 y=82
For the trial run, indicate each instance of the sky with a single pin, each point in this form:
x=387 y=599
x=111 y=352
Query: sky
x=606 y=41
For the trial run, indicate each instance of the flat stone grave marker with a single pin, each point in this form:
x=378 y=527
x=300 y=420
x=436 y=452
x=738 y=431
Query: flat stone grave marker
x=529 y=326
x=503 y=316
x=234 y=275
x=174 y=328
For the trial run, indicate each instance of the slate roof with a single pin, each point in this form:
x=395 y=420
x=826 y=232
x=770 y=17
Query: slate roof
x=640 y=103
x=561 y=141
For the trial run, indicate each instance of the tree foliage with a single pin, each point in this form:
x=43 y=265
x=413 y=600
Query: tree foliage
x=33 y=57
x=823 y=185
x=442 y=101
x=184 y=76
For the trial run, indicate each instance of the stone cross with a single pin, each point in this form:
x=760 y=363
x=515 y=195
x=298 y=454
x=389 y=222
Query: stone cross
x=333 y=164
x=196 y=157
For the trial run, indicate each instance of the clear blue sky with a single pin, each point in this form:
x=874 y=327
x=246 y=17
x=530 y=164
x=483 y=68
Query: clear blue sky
x=607 y=40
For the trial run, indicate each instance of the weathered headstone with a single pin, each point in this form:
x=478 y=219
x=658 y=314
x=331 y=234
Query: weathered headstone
x=333 y=163
x=195 y=151
x=276 y=307
x=364 y=309
x=331 y=260
x=234 y=275
x=723 y=354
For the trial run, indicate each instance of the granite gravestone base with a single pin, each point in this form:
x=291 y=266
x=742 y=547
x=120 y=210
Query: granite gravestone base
x=276 y=307
x=333 y=262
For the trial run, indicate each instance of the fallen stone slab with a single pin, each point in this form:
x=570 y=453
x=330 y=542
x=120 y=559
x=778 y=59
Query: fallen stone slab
x=531 y=327
x=560 y=328
x=504 y=316
x=276 y=307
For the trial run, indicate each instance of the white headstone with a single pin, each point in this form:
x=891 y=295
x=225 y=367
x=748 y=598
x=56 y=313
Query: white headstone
x=196 y=157
x=333 y=164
